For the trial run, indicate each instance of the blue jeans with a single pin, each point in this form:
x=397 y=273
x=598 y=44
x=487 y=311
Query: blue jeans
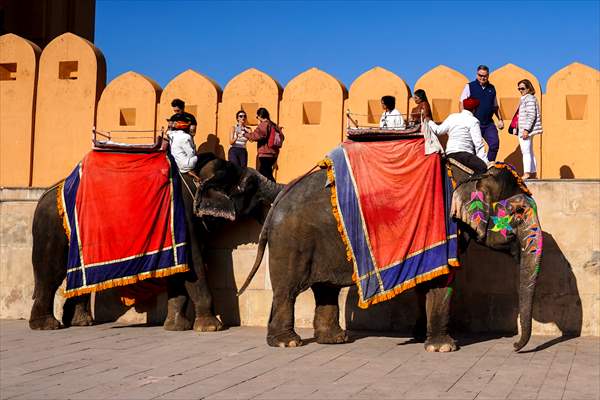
x=238 y=156
x=490 y=135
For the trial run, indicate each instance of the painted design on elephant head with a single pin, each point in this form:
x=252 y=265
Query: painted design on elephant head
x=503 y=218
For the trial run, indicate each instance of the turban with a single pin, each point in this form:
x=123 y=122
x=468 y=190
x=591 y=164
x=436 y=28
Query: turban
x=470 y=103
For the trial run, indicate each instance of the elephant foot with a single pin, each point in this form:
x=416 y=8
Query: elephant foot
x=82 y=318
x=289 y=339
x=45 y=323
x=177 y=323
x=442 y=344
x=336 y=336
x=207 y=324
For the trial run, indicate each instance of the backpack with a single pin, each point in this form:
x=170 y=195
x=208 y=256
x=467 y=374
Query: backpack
x=276 y=138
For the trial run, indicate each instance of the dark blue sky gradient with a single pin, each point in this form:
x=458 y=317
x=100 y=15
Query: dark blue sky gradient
x=161 y=39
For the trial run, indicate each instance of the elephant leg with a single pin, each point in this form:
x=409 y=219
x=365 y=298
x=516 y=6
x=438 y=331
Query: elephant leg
x=49 y=259
x=420 y=328
x=77 y=312
x=42 y=311
x=199 y=292
x=327 y=315
x=437 y=305
x=177 y=300
x=281 y=321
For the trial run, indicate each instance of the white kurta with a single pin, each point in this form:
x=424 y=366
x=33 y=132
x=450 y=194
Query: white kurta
x=464 y=134
x=391 y=120
x=183 y=150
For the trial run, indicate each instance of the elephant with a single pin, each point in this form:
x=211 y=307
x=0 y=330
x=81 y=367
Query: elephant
x=226 y=192
x=307 y=251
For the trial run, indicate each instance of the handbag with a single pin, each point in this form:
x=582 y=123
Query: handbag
x=512 y=128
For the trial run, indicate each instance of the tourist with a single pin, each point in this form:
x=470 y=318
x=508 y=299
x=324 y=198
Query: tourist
x=237 y=152
x=527 y=123
x=423 y=110
x=391 y=118
x=182 y=126
x=482 y=90
x=267 y=156
x=465 y=143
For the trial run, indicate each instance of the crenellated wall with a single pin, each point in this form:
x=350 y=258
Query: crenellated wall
x=46 y=117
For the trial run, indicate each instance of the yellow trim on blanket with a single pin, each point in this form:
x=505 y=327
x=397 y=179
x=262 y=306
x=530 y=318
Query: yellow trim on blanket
x=327 y=163
x=61 y=209
x=128 y=280
x=391 y=293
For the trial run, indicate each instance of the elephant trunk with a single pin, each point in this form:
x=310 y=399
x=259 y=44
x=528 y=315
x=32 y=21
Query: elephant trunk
x=530 y=236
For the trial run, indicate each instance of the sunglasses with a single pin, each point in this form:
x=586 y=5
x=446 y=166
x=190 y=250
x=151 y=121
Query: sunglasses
x=521 y=89
x=482 y=76
x=242 y=116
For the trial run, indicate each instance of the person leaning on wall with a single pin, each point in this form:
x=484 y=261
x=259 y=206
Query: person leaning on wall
x=482 y=90
x=267 y=156
x=527 y=123
x=237 y=152
x=423 y=109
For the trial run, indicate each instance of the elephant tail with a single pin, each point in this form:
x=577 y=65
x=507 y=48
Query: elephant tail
x=262 y=244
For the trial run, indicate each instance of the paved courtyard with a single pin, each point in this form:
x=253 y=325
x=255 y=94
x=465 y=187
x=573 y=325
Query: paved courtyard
x=138 y=362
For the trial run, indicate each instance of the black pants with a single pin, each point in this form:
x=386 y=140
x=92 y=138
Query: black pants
x=469 y=160
x=265 y=167
x=238 y=156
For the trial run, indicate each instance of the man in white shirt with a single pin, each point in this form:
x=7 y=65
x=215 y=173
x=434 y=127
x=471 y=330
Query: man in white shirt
x=465 y=143
x=391 y=118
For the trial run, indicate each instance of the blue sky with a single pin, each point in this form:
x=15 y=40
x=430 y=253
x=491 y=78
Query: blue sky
x=161 y=39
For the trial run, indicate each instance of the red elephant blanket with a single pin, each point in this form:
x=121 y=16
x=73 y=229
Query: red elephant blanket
x=388 y=198
x=125 y=220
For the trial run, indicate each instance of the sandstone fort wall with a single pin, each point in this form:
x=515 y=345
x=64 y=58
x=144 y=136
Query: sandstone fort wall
x=50 y=102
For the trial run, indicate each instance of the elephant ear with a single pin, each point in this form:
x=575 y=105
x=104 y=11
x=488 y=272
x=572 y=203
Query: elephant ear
x=218 y=178
x=470 y=205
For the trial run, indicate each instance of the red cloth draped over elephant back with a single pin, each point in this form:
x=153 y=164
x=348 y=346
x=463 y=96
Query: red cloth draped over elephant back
x=125 y=220
x=389 y=200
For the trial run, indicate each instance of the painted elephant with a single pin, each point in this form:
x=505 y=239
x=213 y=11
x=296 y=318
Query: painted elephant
x=306 y=251
x=226 y=192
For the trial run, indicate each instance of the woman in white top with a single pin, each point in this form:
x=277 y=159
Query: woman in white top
x=391 y=118
x=526 y=124
x=237 y=152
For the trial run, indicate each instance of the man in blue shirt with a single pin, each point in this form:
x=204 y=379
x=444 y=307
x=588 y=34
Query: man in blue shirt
x=482 y=90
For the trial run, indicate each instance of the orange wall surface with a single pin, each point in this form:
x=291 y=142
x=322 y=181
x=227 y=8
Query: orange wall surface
x=311 y=117
x=129 y=104
x=443 y=87
x=47 y=125
x=201 y=96
x=364 y=96
x=72 y=74
x=18 y=79
x=249 y=91
x=571 y=121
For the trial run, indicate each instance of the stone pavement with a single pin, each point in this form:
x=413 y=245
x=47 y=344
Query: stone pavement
x=113 y=361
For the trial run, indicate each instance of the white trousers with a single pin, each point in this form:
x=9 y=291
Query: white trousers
x=529 y=164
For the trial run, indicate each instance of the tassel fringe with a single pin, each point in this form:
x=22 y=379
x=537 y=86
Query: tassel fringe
x=512 y=170
x=327 y=163
x=61 y=210
x=126 y=280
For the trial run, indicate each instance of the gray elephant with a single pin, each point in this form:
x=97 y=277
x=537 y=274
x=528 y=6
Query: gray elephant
x=307 y=251
x=226 y=193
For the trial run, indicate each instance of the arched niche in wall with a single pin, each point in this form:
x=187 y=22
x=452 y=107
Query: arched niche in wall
x=571 y=122
x=505 y=81
x=247 y=91
x=18 y=78
x=128 y=104
x=201 y=96
x=72 y=74
x=443 y=86
x=311 y=115
x=364 y=96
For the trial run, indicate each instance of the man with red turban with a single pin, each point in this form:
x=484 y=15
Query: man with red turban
x=465 y=143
